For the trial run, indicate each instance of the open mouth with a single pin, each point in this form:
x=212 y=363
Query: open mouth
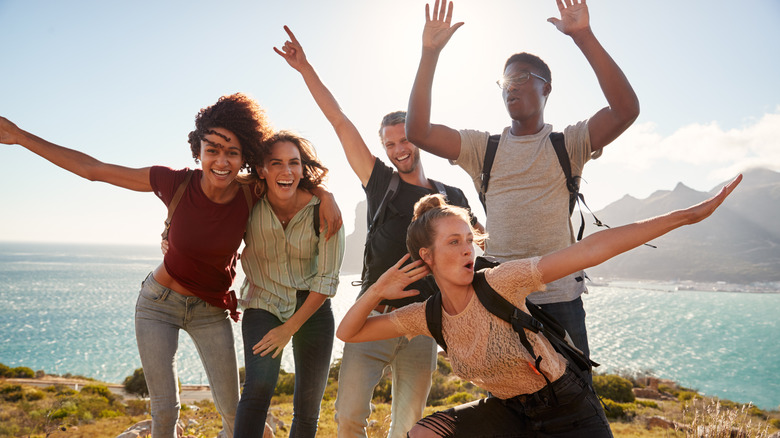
x=220 y=172
x=284 y=183
x=469 y=266
x=403 y=157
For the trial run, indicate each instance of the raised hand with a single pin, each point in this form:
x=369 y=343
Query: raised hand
x=392 y=283
x=292 y=52
x=703 y=210
x=438 y=30
x=9 y=132
x=574 y=16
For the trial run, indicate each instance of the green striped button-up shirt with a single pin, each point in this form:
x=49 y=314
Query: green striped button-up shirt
x=278 y=262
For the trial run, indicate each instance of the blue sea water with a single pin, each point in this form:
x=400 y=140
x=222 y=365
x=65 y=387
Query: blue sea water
x=69 y=309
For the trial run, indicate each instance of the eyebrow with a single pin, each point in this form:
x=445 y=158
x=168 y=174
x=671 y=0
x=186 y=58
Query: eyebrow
x=220 y=145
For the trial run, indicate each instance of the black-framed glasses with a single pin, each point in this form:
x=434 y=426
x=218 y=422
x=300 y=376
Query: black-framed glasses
x=519 y=79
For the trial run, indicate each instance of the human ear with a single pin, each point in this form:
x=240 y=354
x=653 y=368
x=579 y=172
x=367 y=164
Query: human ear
x=426 y=255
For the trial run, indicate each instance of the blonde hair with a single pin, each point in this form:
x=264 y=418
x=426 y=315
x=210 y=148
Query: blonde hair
x=427 y=211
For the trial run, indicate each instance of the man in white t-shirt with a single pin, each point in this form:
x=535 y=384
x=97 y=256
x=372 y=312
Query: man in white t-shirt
x=527 y=201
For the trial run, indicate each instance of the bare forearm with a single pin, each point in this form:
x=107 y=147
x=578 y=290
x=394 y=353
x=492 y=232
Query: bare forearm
x=307 y=309
x=617 y=90
x=418 y=117
x=356 y=317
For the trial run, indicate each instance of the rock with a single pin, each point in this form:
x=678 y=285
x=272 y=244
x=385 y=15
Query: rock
x=140 y=429
x=652 y=394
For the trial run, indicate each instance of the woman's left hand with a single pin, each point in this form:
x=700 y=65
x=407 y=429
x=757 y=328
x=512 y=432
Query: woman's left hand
x=392 y=284
x=274 y=341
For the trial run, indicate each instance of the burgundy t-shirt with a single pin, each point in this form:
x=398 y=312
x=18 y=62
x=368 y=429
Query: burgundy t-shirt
x=203 y=239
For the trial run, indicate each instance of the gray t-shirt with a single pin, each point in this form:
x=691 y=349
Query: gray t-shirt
x=527 y=201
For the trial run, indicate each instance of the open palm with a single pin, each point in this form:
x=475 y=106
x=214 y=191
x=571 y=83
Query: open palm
x=574 y=16
x=438 y=28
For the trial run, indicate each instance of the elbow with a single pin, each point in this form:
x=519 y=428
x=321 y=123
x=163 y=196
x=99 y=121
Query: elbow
x=630 y=113
x=415 y=135
x=342 y=336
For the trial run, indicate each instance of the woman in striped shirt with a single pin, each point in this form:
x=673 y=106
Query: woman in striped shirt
x=291 y=272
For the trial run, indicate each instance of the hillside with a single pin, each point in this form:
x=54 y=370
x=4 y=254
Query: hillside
x=740 y=243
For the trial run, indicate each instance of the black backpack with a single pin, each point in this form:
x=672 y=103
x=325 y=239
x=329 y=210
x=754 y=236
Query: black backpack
x=572 y=181
x=376 y=221
x=537 y=320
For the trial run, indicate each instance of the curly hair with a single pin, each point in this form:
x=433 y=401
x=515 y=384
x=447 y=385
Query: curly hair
x=314 y=172
x=422 y=230
x=239 y=114
x=532 y=60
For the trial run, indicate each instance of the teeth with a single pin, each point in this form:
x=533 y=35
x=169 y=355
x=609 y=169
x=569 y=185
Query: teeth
x=221 y=172
x=403 y=157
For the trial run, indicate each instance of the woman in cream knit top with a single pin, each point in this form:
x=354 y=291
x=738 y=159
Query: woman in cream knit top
x=483 y=348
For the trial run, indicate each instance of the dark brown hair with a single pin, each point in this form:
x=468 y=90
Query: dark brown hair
x=239 y=114
x=314 y=172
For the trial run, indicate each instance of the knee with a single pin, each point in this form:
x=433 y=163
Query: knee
x=421 y=432
x=165 y=417
x=257 y=388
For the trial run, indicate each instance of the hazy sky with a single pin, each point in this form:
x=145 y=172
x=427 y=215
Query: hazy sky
x=122 y=81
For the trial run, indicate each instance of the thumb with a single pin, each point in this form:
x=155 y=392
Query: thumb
x=553 y=20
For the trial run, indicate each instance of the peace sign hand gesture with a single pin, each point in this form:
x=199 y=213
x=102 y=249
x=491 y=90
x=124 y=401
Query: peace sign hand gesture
x=438 y=30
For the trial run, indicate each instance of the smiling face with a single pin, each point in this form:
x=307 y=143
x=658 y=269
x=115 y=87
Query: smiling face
x=404 y=155
x=282 y=169
x=451 y=256
x=525 y=101
x=221 y=157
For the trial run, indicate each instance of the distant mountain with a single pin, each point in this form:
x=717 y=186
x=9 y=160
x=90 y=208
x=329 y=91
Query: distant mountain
x=740 y=243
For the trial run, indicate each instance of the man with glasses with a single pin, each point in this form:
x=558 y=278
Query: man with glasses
x=527 y=202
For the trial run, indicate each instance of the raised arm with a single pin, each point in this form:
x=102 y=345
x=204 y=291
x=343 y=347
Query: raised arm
x=623 y=106
x=359 y=156
x=602 y=246
x=74 y=161
x=357 y=326
x=437 y=139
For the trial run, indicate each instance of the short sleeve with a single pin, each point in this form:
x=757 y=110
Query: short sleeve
x=472 y=151
x=516 y=279
x=410 y=320
x=165 y=181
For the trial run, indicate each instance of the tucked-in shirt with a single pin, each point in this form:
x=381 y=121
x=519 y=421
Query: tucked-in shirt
x=527 y=200
x=204 y=236
x=278 y=262
x=485 y=349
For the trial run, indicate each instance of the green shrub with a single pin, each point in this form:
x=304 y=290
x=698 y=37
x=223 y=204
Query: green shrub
x=4 y=369
x=22 y=373
x=335 y=369
x=775 y=422
x=443 y=365
x=99 y=390
x=614 y=388
x=687 y=395
x=647 y=403
x=137 y=407
x=286 y=383
x=136 y=384
x=459 y=398
x=617 y=410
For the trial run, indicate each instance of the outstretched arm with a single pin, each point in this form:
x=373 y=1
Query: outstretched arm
x=74 y=161
x=356 y=326
x=359 y=156
x=623 y=106
x=602 y=246
x=436 y=139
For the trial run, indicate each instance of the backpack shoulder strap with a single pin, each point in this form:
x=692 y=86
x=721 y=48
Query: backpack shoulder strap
x=317 y=219
x=390 y=194
x=487 y=166
x=433 y=319
x=440 y=187
x=175 y=202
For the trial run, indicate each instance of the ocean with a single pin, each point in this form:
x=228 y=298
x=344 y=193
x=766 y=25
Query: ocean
x=68 y=308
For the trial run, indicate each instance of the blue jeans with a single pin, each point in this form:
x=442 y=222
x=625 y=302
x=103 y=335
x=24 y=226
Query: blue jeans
x=571 y=315
x=412 y=363
x=159 y=315
x=312 y=345
x=576 y=414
